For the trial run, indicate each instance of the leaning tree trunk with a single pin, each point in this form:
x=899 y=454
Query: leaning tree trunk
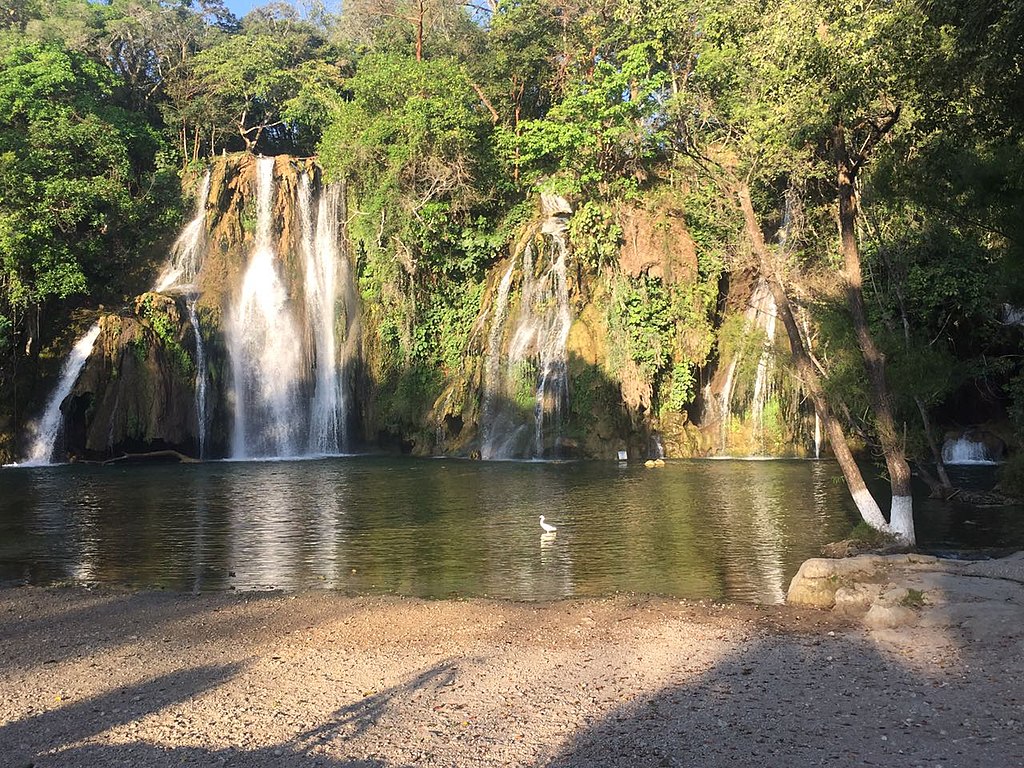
x=901 y=518
x=866 y=504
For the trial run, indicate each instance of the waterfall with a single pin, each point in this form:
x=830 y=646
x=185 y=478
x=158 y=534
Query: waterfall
x=492 y=372
x=320 y=249
x=48 y=429
x=963 y=450
x=181 y=272
x=765 y=303
x=759 y=313
x=536 y=356
x=265 y=349
x=725 y=406
x=187 y=252
x=817 y=435
x=202 y=379
x=1012 y=315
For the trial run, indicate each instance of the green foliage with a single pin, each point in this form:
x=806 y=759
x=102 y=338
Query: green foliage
x=681 y=389
x=712 y=223
x=914 y=598
x=603 y=136
x=1011 y=476
x=595 y=235
x=166 y=331
x=642 y=312
x=872 y=538
x=414 y=145
x=79 y=177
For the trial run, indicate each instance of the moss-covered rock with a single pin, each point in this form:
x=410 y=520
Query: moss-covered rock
x=137 y=391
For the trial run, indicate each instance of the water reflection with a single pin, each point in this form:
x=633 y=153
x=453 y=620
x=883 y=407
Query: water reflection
x=735 y=530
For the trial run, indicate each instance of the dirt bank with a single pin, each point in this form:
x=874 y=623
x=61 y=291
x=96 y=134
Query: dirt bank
x=152 y=679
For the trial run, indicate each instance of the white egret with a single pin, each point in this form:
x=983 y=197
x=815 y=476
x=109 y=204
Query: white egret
x=548 y=527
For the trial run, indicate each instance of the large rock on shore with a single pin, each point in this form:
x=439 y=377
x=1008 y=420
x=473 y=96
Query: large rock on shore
x=889 y=591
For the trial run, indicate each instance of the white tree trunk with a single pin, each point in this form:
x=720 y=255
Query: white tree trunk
x=901 y=519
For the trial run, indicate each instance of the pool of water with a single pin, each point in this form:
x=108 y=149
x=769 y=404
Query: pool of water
x=734 y=530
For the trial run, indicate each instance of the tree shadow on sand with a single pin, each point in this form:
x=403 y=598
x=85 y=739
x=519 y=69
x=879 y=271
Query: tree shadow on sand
x=943 y=692
x=60 y=729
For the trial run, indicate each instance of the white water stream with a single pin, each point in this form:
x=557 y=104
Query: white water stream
x=320 y=252
x=536 y=354
x=48 y=429
x=963 y=450
x=181 y=272
x=264 y=346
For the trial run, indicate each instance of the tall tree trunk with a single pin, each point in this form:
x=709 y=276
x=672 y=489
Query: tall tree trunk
x=933 y=445
x=866 y=504
x=901 y=518
x=943 y=487
x=421 y=10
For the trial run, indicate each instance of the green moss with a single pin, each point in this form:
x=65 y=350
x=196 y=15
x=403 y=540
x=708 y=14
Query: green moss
x=166 y=331
x=595 y=235
x=913 y=599
x=871 y=537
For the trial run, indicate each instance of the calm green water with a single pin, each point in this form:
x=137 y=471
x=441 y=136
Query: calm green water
x=733 y=530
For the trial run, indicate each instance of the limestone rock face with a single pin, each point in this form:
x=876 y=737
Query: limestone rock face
x=910 y=590
x=136 y=393
x=657 y=244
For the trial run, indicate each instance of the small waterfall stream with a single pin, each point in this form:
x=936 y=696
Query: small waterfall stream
x=181 y=272
x=765 y=303
x=517 y=424
x=759 y=314
x=492 y=373
x=962 y=450
x=202 y=380
x=188 y=250
x=48 y=429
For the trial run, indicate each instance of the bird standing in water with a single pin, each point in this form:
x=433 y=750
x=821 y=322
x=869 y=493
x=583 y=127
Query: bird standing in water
x=548 y=527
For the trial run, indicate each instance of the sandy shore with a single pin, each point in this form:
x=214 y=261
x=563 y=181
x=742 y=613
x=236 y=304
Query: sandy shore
x=113 y=678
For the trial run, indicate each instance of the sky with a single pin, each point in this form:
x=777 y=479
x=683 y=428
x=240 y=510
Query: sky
x=242 y=7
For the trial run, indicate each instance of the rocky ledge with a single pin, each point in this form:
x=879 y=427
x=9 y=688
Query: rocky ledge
x=911 y=590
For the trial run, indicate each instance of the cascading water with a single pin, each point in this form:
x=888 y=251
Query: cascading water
x=290 y=322
x=762 y=390
x=264 y=346
x=187 y=252
x=48 y=429
x=320 y=250
x=536 y=356
x=492 y=372
x=963 y=450
x=202 y=380
x=180 y=273
x=759 y=313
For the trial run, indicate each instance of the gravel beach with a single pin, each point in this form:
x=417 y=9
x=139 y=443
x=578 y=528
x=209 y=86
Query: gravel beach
x=117 y=678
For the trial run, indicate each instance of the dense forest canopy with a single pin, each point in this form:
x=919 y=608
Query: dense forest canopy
x=901 y=120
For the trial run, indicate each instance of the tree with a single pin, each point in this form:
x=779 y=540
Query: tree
x=79 y=176
x=807 y=91
x=414 y=141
